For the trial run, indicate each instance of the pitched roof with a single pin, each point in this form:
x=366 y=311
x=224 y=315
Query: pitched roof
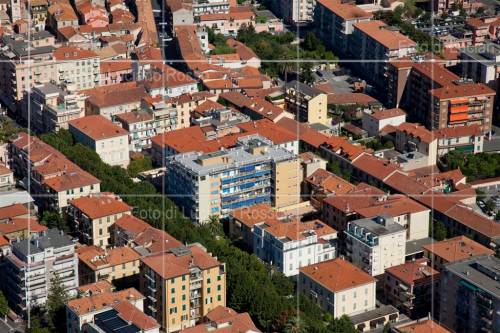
x=412 y=272
x=387 y=113
x=425 y=326
x=395 y=205
x=224 y=320
x=457 y=248
x=66 y=53
x=13 y=210
x=97 y=127
x=101 y=286
x=89 y=304
x=71 y=180
x=133 y=315
x=131 y=224
x=97 y=258
x=329 y=182
x=100 y=205
x=380 y=32
x=156 y=241
x=345 y=11
x=459 y=131
x=18 y=224
x=374 y=166
x=417 y=131
x=296 y=230
x=169 y=265
x=462 y=90
x=337 y=275
x=252 y=215
x=363 y=195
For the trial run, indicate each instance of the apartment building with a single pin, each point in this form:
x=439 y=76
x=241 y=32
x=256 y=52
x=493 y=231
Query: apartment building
x=414 y=138
x=7 y=181
x=77 y=68
x=375 y=120
x=453 y=250
x=481 y=63
x=108 y=140
x=125 y=317
x=466 y=139
x=469 y=295
x=181 y=296
x=114 y=99
x=321 y=184
x=141 y=127
x=374 y=244
x=338 y=287
x=297 y=12
x=21 y=69
x=291 y=245
x=49 y=172
x=93 y=216
x=335 y=21
x=437 y=98
x=32 y=265
x=222 y=319
x=253 y=172
x=374 y=43
x=308 y=104
x=166 y=81
x=48 y=108
x=21 y=227
x=411 y=287
x=117 y=265
x=81 y=311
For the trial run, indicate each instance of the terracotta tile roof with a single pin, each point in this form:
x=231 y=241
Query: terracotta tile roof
x=426 y=326
x=395 y=205
x=387 y=113
x=476 y=23
x=208 y=105
x=273 y=131
x=90 y=304
x=363 y=195
x=296 y=230
x=168 y=265
x=133 y=315
x=167 y=77
x=380 y=32
x=134 y=117
x=303 y=132
x=406 y=184
x=97 y=258
x=97 y=127
x=156 y=241
x=459 y=131
x=13 y=210
x=4 y=241
x=113 y=95
x=351 y=98
x=115 y=66
x=436 y=72
x=457 y=248
x=185 y=140
x=99 y=287
x=100 y=205
x=337 y=275
x=243 y=51
x=462 y=90
x=329 y=182
x=18 y=224
x=65 y=53
x=417 y=131
x=71 y=180
x=131 y=224
x=345 y=11
x=224 y=320
x=378 y=168
x=413 y=272
x=62 y=12
x=259 y=106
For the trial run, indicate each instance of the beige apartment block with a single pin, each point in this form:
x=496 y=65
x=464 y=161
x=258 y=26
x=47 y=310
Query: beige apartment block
x=181 y=286
x=338 y=287
x=115 y=265
x=308 y=104
x=94 y=215
x=287 y=179
x=108 y=140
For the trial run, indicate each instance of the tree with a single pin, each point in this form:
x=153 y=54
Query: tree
x=139 y=165
x=342 y=325
x=440 y=231
x=490 y=205
x=387 y=328
x=56 y=301
x=4 y=305
x=52 y=219
x=36 y=327
x=295 y=325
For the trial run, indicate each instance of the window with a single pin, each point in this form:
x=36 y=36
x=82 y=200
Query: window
x=172 y=280
x=219 y=287
x=172 y=300
x=219 y=298
x=208 y=290
x=219 y=278
x=184 y=278
x=208 y=280
x=183 y=287
x=184 y=309
x=183 y=297
x=172 y=290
